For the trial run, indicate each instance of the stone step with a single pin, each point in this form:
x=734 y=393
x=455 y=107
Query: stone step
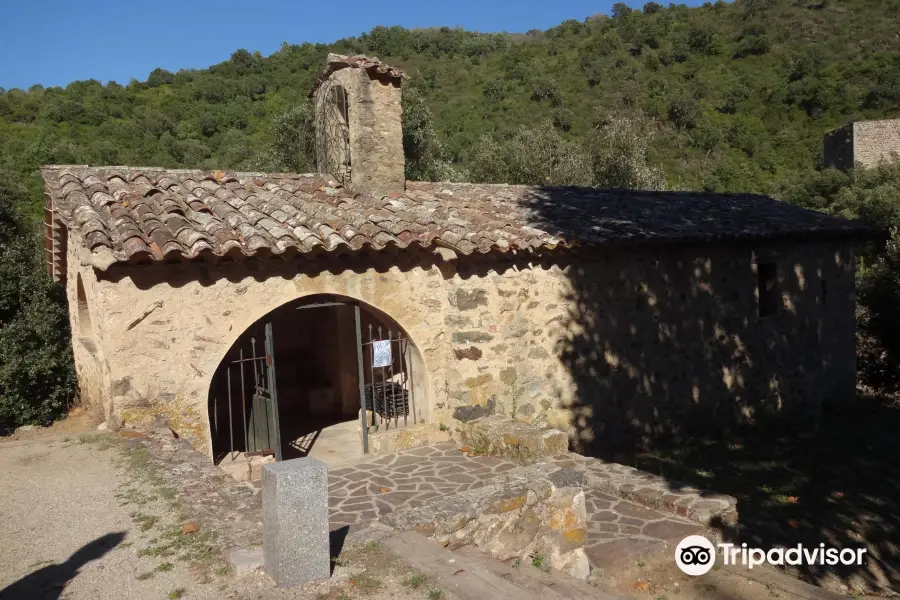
x=471 y=575
x=710 y=509
x=513 y=440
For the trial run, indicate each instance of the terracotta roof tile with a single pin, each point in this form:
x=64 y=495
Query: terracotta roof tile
x=140 y=214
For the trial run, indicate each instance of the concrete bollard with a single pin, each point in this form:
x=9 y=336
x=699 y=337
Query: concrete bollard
x=295 y=521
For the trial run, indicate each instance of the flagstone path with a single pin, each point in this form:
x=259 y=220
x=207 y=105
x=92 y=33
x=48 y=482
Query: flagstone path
x=369 y=490
x=619 y=531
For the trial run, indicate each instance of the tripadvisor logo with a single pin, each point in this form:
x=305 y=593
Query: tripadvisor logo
x=696 y=555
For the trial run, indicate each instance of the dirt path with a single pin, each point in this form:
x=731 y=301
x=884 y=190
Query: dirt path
x=67 y=531
x=87 y=518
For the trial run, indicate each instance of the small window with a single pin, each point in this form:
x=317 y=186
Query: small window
x=85 y=327
x=767 y=289
x=339 y=100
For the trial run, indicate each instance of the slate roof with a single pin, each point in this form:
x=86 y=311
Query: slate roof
x=126 y=214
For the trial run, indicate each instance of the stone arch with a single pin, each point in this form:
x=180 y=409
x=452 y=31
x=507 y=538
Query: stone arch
x=332 y=122
x=317 y=377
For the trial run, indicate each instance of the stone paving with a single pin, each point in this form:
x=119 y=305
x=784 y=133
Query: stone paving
x=702 y=506
x=620 y=532
x=369 y=490
x=230 y=512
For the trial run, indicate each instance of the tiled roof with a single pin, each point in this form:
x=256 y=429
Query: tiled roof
x=140 y=214
x=336 y=62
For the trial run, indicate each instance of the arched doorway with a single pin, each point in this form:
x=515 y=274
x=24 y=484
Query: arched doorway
x=296 y=381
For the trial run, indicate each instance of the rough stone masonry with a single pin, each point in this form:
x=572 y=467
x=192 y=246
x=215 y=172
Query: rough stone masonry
x=640 y=336
x=533 y=511
x=863 y=143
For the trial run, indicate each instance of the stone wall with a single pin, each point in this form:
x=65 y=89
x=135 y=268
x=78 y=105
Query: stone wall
x=838 y=148
x=876 y=141
x=620 y=349
x=375 y=129
x=867 y=143
x=87 y=325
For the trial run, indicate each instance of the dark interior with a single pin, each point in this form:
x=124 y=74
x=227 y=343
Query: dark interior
x=317 y=373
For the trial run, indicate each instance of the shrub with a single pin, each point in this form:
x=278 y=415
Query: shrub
x=294 y=140
x=531 y=156
x=37 y=377
x=878 y=321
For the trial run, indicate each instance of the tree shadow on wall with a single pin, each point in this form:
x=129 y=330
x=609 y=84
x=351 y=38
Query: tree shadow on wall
x=680 y=369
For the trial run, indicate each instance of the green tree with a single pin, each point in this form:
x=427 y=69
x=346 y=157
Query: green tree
x=36 y=367
x=878 y=320
x=426 y=159
x=619 y=154
x=294 y=140
x=873 y=196
x=538 y=156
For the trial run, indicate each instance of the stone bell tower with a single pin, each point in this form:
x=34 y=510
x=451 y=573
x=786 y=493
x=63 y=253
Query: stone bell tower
x=359 y=129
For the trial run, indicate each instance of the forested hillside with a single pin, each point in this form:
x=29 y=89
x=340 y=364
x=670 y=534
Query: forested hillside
x=741 y=92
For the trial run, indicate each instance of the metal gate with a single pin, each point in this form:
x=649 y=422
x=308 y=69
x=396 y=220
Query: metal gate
x=385 y=392
x=386 y=384
x=251 y=377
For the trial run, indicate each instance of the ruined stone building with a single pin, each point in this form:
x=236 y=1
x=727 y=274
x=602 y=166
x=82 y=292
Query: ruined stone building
x=863 y=143
x=261 y=311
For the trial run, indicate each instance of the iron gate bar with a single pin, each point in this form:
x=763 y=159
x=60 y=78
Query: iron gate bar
x=393 y=391
x=273 y=393
x=372 y=373
x=412 y=388
x=230 y=420
x=255 y=390
x=362 y=382
x=243 y=402
x=389 y=397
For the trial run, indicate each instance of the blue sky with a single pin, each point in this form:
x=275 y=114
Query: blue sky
x=54 y=42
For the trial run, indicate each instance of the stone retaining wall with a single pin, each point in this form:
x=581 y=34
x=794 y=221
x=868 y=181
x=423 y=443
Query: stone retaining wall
x=513 y=440
x=535 y=511
x=876 y=142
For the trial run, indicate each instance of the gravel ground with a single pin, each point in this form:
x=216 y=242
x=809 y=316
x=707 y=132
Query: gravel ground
x=87 y=519
x=74 y=538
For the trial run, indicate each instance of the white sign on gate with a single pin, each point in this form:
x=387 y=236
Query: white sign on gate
x=381 y=351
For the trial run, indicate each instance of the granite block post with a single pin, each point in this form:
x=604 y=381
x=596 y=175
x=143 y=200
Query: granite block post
x=295 y=521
